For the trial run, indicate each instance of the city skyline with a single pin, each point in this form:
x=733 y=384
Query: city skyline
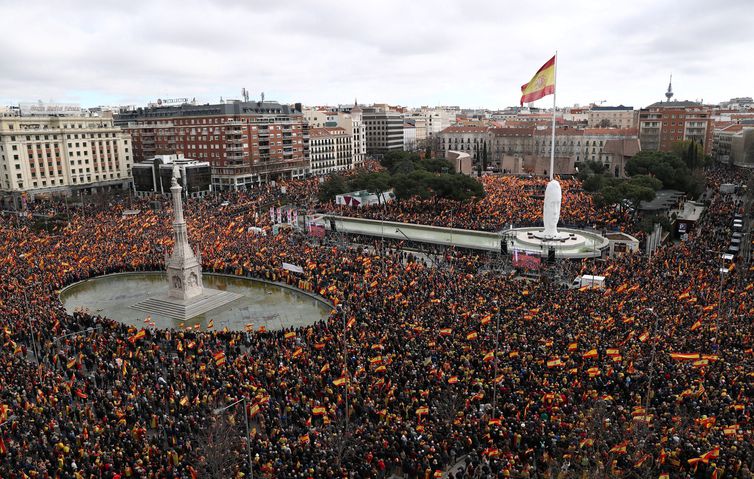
x=470 y=54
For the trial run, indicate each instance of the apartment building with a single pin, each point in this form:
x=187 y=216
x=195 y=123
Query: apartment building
x=330 y=150
x=350 y=119
x=47 y=152
x=246 y=142
x=612 y=117
x=663 y=124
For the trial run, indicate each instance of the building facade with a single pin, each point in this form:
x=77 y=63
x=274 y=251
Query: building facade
x=734 y=145
x=351 y=121
x=663 y=124
x=384 y=129
x=155 y=175
x=612 y=117
x=44 y=156
x=330 y=150
x=246 y=143
x=409 y=136
x=527 y=149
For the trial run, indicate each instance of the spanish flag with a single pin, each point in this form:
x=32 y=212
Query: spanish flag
x=219 y=358
x=290 y=335
x=422 y=411
x=592 y=353
x=471 y=336
x=541 y=84
x=137 y=336
x=619 y=448
x=319 y=411
x=684 y=356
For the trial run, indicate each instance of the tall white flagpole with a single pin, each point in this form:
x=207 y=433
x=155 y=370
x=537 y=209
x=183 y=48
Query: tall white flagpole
x=554 y=93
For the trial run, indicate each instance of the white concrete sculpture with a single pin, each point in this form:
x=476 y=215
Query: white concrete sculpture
x=551 y=213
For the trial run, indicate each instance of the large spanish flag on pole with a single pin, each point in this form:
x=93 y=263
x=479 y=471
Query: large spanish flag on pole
x=541 y=84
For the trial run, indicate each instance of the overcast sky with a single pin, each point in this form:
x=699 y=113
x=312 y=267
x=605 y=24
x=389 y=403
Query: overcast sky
x=471 y=53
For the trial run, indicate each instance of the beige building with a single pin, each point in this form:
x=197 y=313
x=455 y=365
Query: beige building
x=351 y=121
x=56 y=155
x=612 y=117
x=329 y=150
x=527 y=149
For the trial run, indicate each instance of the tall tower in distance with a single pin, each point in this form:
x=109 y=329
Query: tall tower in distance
x=669 y=93
x=183 y=267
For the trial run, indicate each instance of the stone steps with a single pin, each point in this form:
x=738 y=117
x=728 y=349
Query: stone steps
x=183 y=311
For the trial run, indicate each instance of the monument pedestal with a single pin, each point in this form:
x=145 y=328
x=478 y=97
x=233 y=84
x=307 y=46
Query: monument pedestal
x=185 y=309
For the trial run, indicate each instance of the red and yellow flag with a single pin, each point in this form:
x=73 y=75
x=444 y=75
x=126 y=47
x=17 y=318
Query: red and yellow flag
x=541 y=84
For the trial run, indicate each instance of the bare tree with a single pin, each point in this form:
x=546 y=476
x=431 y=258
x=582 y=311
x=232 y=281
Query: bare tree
x=218 y=451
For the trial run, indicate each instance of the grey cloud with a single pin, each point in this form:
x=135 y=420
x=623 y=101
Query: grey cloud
x=468 y=52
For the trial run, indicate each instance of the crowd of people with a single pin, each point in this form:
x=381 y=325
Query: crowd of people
x=508 y=200
x=417 y=371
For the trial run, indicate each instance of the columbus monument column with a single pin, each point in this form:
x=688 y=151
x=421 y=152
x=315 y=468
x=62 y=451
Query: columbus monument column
x=186 y=296
x=184 y=269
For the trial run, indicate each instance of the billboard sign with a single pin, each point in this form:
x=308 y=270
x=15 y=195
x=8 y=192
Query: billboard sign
x=49 y=109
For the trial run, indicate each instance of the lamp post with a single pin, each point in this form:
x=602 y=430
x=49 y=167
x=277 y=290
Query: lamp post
x=342 y=311
x=88 y=330
x=430 y=256
x=720 y=291
x=494 y=361
x=246 y=422
x=651 y=360
x=164 y=385
x=31 y=328
x=10 y=419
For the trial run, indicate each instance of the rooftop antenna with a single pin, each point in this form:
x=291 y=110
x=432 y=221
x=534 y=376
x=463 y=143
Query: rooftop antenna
x=262 y=97
x=669 y=93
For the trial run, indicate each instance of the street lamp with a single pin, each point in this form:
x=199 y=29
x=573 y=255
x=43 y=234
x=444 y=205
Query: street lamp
x=652 y=359
x=720 y=291
x=342 y=311
x=10 y=419
x=494 y=361
x=88 y=330
x=246 y=422
x=164 y=384
x=428 y=255
x=31 y=328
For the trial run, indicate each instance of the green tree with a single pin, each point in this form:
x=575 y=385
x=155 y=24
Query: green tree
x=691 y=152
x=391 y=158
x=627 y=192
x=485 y=158
x=437 y=166
x=334 y=185
x=377 y=182
x=669 y=168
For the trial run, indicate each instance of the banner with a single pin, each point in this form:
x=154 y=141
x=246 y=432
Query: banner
x=293 y=267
